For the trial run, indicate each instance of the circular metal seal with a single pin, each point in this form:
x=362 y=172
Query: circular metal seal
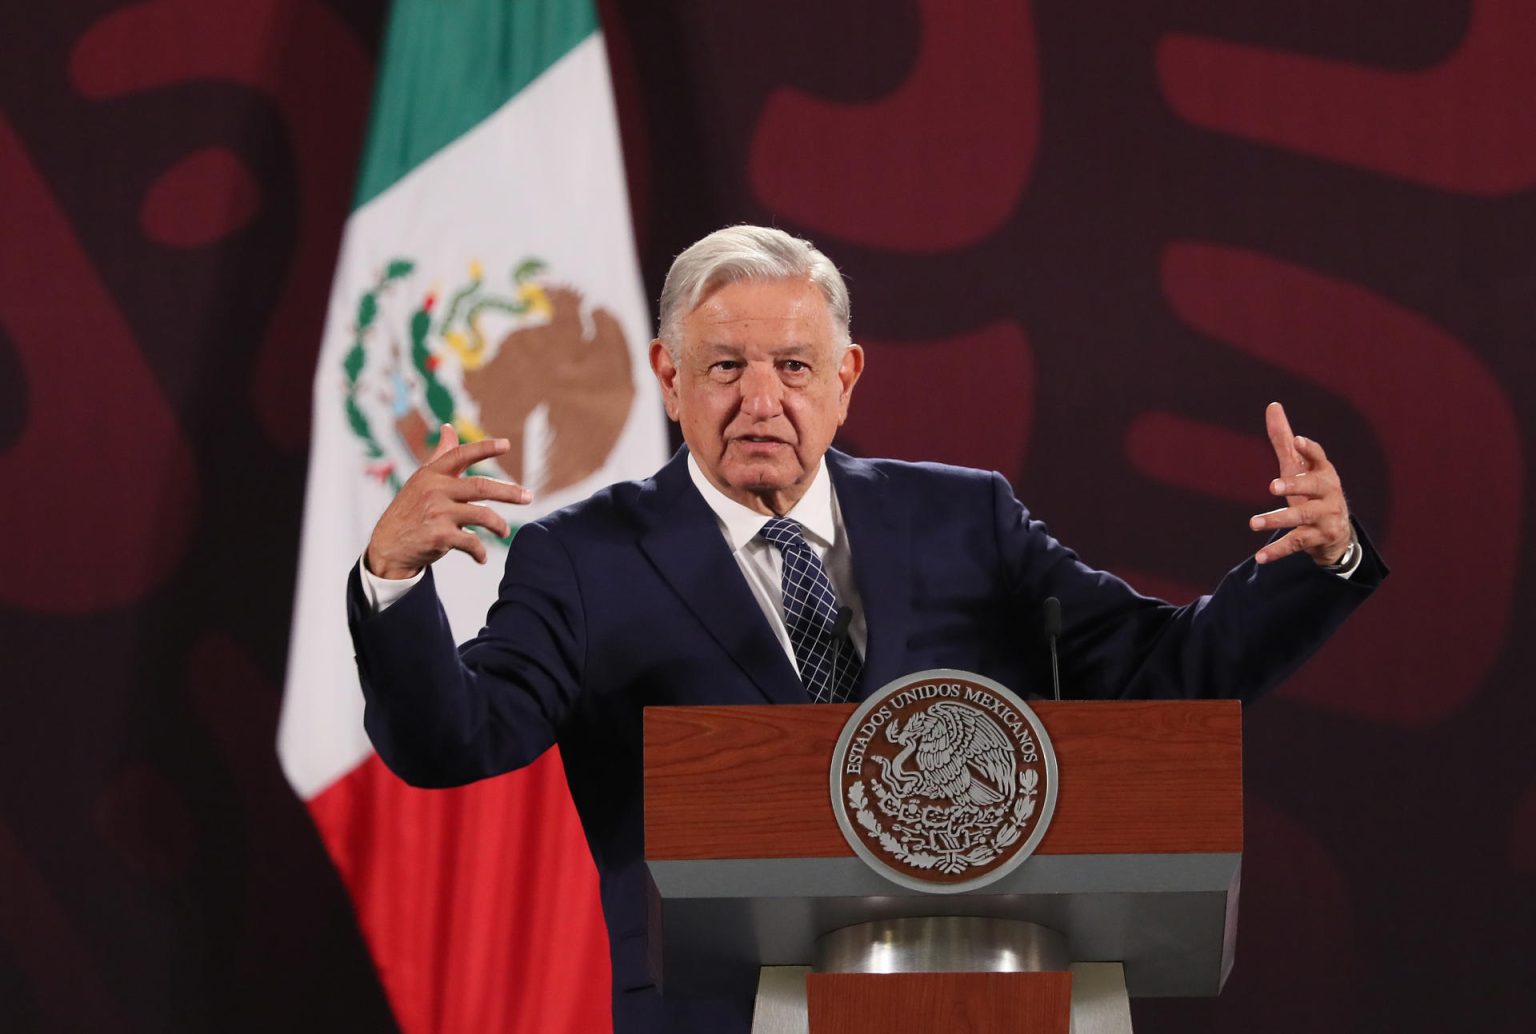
x=943 y=781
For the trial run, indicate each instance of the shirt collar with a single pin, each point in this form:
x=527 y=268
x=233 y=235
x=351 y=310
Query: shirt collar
x=814 y=511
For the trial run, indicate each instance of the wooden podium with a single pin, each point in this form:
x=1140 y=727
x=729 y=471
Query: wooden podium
x=1133 y=890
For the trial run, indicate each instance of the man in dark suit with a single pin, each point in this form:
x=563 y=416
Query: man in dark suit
x=688 y=588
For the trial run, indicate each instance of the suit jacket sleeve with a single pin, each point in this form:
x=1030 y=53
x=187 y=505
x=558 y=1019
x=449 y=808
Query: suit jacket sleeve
x=442 y=715
x=1261 y=623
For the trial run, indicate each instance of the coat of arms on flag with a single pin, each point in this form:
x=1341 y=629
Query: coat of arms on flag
x=538 y=365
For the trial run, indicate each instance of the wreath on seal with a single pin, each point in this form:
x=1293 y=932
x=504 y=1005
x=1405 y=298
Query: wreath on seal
x=908 y=849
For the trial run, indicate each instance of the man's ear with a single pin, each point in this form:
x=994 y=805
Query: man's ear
x=848 y=373
x=666 y=375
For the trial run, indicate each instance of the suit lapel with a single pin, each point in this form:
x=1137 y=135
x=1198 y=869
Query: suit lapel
x=879 y=529
x=684 y=543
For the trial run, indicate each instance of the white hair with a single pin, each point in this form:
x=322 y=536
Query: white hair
x=738 y=253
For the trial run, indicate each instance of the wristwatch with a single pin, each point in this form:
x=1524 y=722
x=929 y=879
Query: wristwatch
x=1346 y=561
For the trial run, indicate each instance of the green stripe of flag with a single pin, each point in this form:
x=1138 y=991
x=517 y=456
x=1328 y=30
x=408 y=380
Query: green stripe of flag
x=448 y=64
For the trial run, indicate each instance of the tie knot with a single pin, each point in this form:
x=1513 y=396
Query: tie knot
x=782 y=532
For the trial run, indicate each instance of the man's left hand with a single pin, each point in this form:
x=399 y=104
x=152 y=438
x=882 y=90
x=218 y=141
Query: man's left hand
x=1314 y=510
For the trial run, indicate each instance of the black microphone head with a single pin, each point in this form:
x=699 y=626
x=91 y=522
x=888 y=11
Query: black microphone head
x=1052 y=616
x=841 y=621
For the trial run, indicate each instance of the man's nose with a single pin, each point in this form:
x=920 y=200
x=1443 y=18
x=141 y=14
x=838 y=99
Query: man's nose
x=761 y=393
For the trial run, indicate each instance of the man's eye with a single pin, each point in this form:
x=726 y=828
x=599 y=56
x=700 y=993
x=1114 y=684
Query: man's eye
x=795 y=366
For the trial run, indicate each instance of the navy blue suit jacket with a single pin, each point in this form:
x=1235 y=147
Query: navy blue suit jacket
x=632 y=598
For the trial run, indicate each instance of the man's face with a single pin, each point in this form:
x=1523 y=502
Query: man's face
x=759 y=388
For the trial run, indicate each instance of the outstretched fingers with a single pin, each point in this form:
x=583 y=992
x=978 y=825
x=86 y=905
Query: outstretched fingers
x=1315 y=509
x=469 y=515
x=466 y=541
x=1299 y=540
x=436 y=509
x=491 y=489
x=1286 y=517
x=1311 y=484
x=1282 y=440
x=1311 y=452
x=456 y=459
x=447 y=441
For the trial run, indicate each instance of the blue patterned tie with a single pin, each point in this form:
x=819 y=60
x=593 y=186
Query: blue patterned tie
x=829 y=665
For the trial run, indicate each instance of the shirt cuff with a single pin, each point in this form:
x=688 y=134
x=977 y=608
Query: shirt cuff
x=382 y=592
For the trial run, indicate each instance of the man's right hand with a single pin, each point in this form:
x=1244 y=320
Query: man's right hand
x=432 y=511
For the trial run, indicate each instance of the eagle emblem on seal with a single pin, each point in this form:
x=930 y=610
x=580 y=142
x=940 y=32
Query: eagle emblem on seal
x=944 y=780
x=961 y=756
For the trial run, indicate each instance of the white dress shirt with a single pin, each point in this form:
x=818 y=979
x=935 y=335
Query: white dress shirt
x=761 y=563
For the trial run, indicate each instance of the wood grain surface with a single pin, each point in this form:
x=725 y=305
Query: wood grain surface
x=753 y=782
x=925 y=1003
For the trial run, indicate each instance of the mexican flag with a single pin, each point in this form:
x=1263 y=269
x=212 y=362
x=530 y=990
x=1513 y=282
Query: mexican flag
x=487 y=279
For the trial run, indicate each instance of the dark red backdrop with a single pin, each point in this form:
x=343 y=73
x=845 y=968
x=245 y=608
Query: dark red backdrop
x=1087 y=243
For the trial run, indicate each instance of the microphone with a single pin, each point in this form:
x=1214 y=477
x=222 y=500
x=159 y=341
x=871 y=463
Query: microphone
x=1052 y=631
